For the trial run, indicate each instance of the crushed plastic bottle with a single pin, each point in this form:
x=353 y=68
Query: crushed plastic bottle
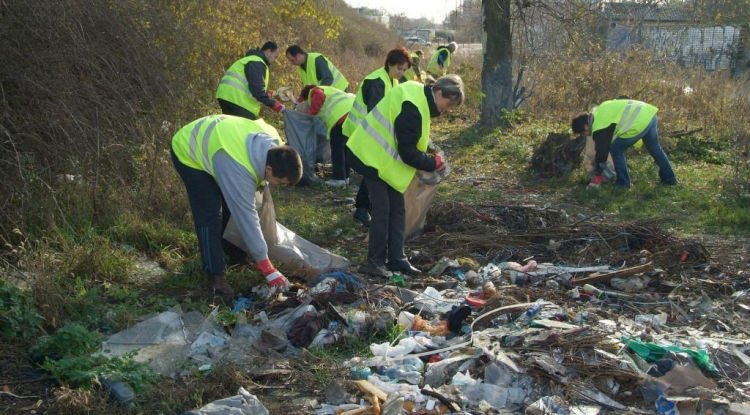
x=532 y=312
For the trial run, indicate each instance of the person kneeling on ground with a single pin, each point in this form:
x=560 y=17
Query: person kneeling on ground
x=223 y=160
x=387 y=148
x=331 y=106
x=616 y=125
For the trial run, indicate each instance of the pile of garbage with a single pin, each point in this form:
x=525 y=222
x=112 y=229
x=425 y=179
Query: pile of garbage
x=651 y=325
x=557 y=156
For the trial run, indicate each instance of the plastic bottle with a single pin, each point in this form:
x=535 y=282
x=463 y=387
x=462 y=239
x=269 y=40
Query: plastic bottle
x=401 y=374
x=529 y=314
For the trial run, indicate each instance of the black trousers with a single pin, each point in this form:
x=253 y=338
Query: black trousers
x=387 y=217
x=206 y=200
x=338 y=153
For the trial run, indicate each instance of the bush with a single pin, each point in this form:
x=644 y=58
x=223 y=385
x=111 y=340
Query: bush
x=18 y=315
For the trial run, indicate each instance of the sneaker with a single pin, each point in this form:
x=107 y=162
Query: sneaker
x=337 y=182
x=362 y=216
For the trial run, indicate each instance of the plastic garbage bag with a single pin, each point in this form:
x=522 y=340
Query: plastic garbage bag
x=307 y=134
x=293 y=254
x=652 y=352
x=419 y=196
x=244 y=403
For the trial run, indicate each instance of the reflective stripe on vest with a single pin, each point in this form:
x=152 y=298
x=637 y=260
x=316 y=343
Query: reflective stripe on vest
x=374 y=141
x=234 y=88
x=631 y=117
x=309 y=75
x=335 y=106
x=210 y=134
x=359 y=109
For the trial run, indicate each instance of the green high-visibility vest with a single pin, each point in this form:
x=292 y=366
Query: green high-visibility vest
x=374 y=141
x=433 y=66
x=196 y=143
x=359 y=108
x=630 y=116
x=234 y=88
x=309 y=76
x=336 y=105
x=411 y=74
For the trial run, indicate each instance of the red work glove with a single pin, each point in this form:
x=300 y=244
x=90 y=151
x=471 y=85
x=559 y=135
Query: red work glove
x=277 y=106
x=439 y=163
x=596 y=181
x=273 y=277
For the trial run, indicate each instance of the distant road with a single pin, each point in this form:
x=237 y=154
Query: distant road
x=469 y=48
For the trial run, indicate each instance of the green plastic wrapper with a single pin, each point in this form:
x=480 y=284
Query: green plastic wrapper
x=652 y=352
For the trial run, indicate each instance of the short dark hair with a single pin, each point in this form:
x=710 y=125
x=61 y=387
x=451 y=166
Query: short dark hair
x=285 y=163
x=419 y=52
x=269 y=45
x=579 y=122
x=396 y=57
x=294 y=50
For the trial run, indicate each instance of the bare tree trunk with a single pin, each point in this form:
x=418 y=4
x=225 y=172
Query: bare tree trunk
x=497 y=67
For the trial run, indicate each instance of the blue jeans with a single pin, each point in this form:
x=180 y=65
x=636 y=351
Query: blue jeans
x=650 y=137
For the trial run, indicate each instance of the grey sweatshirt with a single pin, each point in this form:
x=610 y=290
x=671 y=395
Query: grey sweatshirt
x=238 y=187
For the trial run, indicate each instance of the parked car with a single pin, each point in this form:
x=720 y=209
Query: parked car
x=414 y=40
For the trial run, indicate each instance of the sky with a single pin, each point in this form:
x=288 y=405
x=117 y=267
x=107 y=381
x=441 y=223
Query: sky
x=435 y=10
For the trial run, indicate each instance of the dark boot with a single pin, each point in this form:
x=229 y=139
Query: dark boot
x=221 y=287
x=404 y=267
x=370 y=268
x=362 y=216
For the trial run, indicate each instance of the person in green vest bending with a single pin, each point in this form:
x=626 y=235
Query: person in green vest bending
x=244 y=86
x=315 y=69
x=414 y=72
x=440 y=61
x=616 y=125
x=371 y=90
x=387 y=148
x=223 y=160
x=331 y=106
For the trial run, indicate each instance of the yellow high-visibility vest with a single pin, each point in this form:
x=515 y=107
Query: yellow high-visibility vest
x=336 y=105
x=374 y=141
x=359 y=108
x=196 y=143
x=434 y=68
x=309 y=76
x=234 y=87
x=630 y=116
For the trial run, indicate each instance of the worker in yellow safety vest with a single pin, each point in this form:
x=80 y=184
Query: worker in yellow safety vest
x=331 y=106
x=244 y=86
x=371 y=90
x=387 y=148
x=616 y=125
x=440 y=61
x=315 y=69
x=223 y=160
x=414 y=72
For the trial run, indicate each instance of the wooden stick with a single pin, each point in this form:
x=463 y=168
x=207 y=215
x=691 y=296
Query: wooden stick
x=625 y=272
x=370 y=389
x=360 y=411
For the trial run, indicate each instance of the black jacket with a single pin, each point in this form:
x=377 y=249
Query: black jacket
x=255 y=72
x=408 y=129
x=602 y=139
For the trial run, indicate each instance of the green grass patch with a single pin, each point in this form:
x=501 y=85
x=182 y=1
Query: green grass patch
x=18 y=314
